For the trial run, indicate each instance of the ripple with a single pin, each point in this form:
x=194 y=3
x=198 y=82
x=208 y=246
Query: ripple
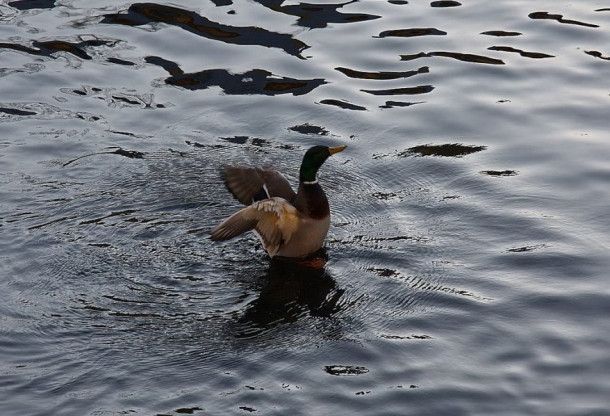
x=381 y=75
x=375 y=241
x=116 y=98
x=16 y=112
x=12 y=112
x=131 y=154
x=29 y=68
x=526 y=248
x=394 y=104
x=32 y=4
x=412 y=32
x=501 y=33
x=344 y=104
x=256 y=81
x=497 y=173
x=310 y=129
x=445 y=3
x=409 y=337
x=151 y=233
x=188 y=410
x=534 y=55
x=559 y=18
x=140 y=14
x=317 y=15
x=422 y=89
x=598 y=55
x=444 y=150
x=345 y=370
x=50 y=47
x=465 y=57
x=424 y=283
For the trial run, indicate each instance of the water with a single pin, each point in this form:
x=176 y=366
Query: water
x=468 y=251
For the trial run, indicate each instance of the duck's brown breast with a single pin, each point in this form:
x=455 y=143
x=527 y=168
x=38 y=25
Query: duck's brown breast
x=311 y=201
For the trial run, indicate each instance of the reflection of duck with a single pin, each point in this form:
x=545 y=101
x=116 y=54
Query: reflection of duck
x=288 y=291
x=288 y=224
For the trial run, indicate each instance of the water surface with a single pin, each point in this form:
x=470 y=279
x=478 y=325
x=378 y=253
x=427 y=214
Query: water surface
x=468 y=251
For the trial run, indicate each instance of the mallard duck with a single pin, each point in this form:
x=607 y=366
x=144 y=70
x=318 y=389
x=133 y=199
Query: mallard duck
x=288 y=224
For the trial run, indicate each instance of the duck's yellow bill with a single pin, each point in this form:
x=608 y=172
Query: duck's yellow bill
x=337 y=149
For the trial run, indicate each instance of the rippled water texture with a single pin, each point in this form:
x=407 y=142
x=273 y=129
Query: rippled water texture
x=468 y=253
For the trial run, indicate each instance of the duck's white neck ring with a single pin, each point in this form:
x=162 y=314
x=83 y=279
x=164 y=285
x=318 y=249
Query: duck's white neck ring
x=310 y=182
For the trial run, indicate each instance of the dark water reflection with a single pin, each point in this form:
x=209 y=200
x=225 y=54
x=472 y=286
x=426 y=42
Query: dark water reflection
x=560 y=19
x=286 y=292
x=140 y=14
x=32 y=4
x=466 y=57
x=465 y=271
x=50 y=47
x=317 y=15
x=256 y=81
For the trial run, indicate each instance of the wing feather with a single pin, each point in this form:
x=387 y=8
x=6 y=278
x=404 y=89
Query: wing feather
x=277 y=185
x=274 y=220
x=246 y=182
x=243 y=182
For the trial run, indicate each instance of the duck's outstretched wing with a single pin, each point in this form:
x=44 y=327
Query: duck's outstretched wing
x=255 y=184
x=274 y=220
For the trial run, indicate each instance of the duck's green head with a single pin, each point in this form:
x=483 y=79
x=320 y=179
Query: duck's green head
x=313 y=159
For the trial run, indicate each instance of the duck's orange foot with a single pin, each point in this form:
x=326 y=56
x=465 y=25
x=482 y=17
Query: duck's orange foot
x=315 y=263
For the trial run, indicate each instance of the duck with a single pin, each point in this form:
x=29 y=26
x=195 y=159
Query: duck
x=288 y=224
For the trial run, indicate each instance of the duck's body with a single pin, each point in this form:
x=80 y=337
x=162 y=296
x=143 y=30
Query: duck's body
x=288 y=224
